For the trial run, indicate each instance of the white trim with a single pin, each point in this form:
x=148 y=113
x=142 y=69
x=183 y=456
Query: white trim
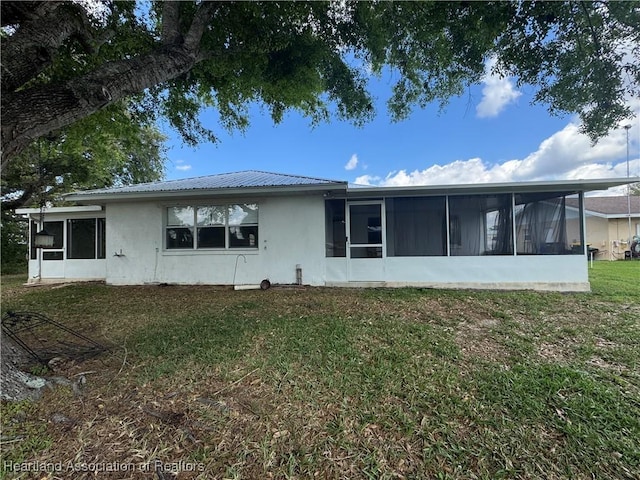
x=48 y=210
x=492 y=188
x=351 y=191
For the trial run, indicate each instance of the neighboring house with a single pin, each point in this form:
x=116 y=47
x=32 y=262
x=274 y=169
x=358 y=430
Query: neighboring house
x=608 y=227
x=241 y=228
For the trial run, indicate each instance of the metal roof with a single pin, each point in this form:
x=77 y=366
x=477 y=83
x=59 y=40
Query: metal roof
x=254 y=182
x=246 y=179
x=219 y=184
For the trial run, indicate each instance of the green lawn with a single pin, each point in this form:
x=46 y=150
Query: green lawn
x=343 y=383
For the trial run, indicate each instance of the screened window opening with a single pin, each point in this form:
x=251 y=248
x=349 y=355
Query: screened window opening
x=212 y=226
x=545 y=226
x=86 y=238
x=483 y=225
x=335 y=228
x=33 y=251
x=56 y=251
x=416 y=226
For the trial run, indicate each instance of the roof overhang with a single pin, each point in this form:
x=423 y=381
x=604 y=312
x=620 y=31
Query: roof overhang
x=35 y=212
x=105 y=197
x=341 y=189
x=491 y=188
x=611 y=216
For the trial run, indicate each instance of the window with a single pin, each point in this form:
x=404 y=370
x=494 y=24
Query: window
x=86 y=238
x=55 y=252
x=32 y=241
x=212 y=226
x=335 y=228
x=481 y=225
x=416 y=226
x=544 y=225
x=180 y=227
x=243 y=226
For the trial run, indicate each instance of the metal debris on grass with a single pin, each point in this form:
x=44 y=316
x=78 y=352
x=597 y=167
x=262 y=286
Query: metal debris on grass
x=45 y=339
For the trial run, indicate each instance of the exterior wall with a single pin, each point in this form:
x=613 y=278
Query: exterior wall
x=291 y=232
x=598 y=236
x=609 y=236
x=618 y=235
x=536 y=272
x=134 y=242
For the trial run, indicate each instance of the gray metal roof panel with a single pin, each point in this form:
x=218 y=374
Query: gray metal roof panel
x=245 y=179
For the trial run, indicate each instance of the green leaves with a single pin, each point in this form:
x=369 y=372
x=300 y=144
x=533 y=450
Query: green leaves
x=113 y=147
x=317 y=58
x=582 y=56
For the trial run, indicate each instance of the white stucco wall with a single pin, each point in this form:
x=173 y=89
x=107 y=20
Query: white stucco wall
x=291 y=232
x=541 y=272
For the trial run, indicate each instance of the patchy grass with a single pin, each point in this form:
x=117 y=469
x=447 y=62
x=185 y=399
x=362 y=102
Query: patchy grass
x=342 y=383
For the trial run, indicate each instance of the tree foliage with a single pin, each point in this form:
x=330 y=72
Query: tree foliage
x=62 y=64
x=107 y=149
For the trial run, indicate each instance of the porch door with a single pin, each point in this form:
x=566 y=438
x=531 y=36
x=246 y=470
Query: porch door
x=52 y=260
x=366 y=241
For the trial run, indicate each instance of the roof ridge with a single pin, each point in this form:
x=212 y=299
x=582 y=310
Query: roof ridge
x=294 y=176
x=290 y=175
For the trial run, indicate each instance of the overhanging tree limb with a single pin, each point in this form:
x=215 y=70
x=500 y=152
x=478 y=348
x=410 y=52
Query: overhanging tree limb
x=278 y=53
x=33 y=112
x=33 y=47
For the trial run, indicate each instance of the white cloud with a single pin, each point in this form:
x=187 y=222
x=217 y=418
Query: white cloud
x=352 y=163
x=183 y=168
x=498 y=92
x=567 y=154
x=367 y=180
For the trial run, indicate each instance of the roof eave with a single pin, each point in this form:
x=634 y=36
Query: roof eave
x=106 y=197
x=511 y=187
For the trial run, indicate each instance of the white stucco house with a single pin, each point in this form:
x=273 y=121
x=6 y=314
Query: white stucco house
x=241 y=228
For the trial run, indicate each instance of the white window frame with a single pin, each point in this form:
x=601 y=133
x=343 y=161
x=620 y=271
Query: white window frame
x=226 y=226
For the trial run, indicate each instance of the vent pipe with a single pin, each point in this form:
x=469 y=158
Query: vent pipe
x=298 y=274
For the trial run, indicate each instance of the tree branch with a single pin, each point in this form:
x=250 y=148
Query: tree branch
x=594 y=35
x=201 y=19
x=14 y=13
x=33 y=46
x=36 y=111
x=21 y=201
x=31 y=113
x=171 y=23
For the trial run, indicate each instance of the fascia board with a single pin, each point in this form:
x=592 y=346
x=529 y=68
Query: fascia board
x=492 y=188
x=216 y=192
x=50 y=210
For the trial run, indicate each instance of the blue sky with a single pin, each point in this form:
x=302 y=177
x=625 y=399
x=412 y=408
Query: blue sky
x=491 y=134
